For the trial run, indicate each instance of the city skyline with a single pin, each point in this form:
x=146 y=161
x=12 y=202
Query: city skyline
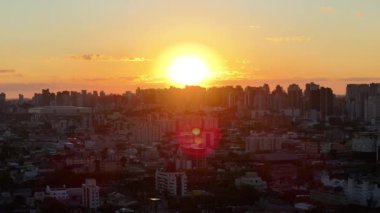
x=190 y=106
x=117 y=46
x=272 y=88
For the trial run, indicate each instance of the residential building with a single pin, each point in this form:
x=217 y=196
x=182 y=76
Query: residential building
x=171 y=182
x=251 y=179
x=261 y=142
x=90 y=194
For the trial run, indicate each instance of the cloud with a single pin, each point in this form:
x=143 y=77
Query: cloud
x=149 y=79
x=254 y=27
x=327 y=9
x=136 y=59
x=131 y=78
x=106 y=79
x=7 y=71
x=358 y=14
x=107 y=58
x=288 y=39
x=92 y=57
x=95 y=79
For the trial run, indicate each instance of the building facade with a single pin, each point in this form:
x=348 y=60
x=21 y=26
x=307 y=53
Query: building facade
x=90 y=194
x=172 y=183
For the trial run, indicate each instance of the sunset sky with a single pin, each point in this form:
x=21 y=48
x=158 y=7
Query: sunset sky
x=116 y=45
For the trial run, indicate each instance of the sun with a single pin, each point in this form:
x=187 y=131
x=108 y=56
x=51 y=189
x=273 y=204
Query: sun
x=187 y=64
x=188 y=70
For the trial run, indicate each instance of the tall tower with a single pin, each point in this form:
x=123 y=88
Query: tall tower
x=295 y=98
x=90 y=194
x=356 y=95
x=279 y=99
x=326 y=102
x=2 y=98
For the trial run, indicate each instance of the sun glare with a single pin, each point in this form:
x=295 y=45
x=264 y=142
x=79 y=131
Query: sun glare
x=188 y=65
x=188 y=70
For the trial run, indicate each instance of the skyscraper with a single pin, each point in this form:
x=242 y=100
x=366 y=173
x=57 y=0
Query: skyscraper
x=2 y=98
x=372 y=109
x=295 y=97
x=356 y=95
x=278 y=99
x=311 y=96
x=90 y=194
x=326 y=102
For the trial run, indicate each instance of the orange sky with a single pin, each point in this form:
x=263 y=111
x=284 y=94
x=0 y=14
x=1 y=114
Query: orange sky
x=116 y=45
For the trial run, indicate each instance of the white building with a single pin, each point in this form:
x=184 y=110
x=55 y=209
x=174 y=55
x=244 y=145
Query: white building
x=90 y=194
x=173 y=183
x=57 y=193
x=251 y=179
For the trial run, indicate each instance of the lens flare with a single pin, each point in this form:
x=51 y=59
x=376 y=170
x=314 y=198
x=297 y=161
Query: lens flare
x=198 y=143
x=196 y=131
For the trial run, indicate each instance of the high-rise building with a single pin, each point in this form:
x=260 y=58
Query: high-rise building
x=90 y=194
x=2 y=98
x=21 y=99
x=2 y=102
x=45 y=98
x=372 y=109
x=63 y=98
x=326 y=102
x=84 y=98
x=235 y=97
x=310 y=87
x=279 y=99
x=356 y=95
x=262 y=98
x=257 y=98
x=295 y=98
x=374 y=89
x=171 y=182
x=311 y=96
